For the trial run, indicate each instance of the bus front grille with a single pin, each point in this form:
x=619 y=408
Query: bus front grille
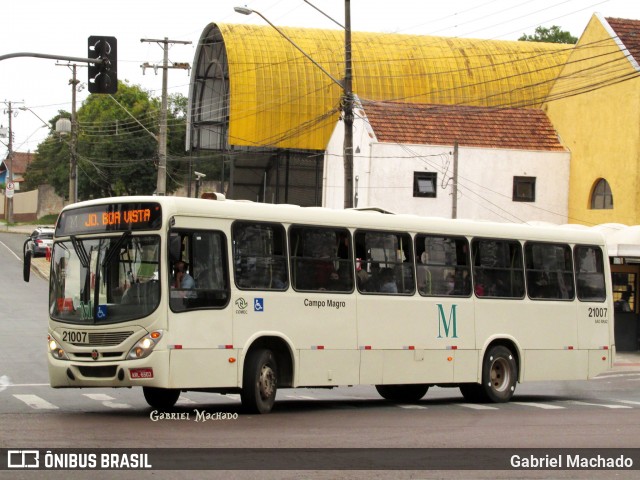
x=105 y=339
x=98 y=372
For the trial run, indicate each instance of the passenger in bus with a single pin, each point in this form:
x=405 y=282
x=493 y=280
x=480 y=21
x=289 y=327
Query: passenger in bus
x=424 y=275
x=181 y=279
x=388 y=282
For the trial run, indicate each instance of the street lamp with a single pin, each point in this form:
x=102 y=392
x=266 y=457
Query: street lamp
x=347 y=93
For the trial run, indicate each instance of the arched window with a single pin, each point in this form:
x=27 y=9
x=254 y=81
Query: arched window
x=601 y=197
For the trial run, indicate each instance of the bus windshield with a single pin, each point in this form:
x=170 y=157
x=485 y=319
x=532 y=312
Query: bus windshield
x=105 y=280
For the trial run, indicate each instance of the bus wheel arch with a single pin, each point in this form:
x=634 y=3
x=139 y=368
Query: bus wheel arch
x=268 y=365
x=409 y=393
x=499 y=375
x=161 y=398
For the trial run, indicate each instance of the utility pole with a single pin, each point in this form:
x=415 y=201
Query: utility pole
x=9 y=178
x=73 y=146
x=348 y=110
x=454 y=187
x=161 y=187
x=346 y=84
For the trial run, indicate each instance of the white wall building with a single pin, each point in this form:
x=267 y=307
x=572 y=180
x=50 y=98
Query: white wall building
x=511 y=164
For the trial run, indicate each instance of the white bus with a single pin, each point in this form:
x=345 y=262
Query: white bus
x=281 y=296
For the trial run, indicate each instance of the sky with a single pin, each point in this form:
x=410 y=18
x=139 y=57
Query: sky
x=39 y=88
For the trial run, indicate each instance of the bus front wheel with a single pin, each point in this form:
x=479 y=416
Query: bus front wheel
x=402 y=393
x=259 y=381
x=160 y=397
x=499 y=377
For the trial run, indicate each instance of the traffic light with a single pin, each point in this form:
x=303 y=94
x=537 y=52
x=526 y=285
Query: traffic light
x=103 y=76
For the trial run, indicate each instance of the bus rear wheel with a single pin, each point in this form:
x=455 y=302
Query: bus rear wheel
x=160 y=397
x=499 y=377
x=402 y=393
x=259 y=381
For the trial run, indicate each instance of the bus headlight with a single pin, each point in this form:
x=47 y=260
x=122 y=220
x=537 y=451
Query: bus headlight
x=145 y=345
x=56 y=350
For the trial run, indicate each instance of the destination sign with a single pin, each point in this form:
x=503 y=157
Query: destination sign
x=110 y=217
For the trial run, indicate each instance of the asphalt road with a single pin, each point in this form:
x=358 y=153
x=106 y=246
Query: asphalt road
x=603 y=413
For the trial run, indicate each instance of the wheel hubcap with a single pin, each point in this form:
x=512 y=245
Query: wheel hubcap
x=267 y=382
x=500 y=378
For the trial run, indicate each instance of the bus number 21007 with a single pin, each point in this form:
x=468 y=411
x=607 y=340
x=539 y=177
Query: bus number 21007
x=597 y=312
x=73 y=336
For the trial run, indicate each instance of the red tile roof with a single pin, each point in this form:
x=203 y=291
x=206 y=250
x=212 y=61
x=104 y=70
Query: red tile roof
x=18 y=164
x=628 y=31
x=410 y=123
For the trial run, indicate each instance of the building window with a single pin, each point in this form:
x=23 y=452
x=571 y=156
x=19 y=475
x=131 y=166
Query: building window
x=424 y=184
x=602 y=198
x=524 y=189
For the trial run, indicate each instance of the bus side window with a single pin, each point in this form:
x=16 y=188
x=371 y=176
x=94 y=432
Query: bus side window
x=208 y=267
x=259 y=256
x=589 y=267
x=549 y=271
x=443 y=265
x=321 y=258
x=498 y=268
x=386 y=262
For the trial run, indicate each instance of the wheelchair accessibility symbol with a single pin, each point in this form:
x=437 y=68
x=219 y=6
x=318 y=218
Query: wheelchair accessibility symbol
x=258 y=304
x=102 y=312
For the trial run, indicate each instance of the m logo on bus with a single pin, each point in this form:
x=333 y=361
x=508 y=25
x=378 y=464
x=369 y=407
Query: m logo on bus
x=448 y=325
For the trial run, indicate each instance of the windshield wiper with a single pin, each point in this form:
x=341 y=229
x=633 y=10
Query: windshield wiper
x=115 y=247
x=80 y=251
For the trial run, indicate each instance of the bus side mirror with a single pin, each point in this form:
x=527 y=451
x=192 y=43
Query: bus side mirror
x=26 y=268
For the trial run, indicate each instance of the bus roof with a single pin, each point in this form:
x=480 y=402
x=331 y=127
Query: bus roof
x=357 y=218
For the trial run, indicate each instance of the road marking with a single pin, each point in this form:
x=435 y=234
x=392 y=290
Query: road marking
x=300 y=397
x=477 y=406
x=36 y=402
x=27 y=385
x=545 y=406
x=184 y=401
x=616 y=375
x=5 y=382
x=575 y=402
x=11 y=251
x=106 y=400
x=412 y=407
x=630 y=402
x=232 y=396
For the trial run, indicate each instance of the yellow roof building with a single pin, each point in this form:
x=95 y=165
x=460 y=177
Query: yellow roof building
x=594 y=105
x=253 y=88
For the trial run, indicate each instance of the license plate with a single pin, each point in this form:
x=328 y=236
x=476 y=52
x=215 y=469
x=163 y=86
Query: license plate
x=141 y=372
x=76 y=337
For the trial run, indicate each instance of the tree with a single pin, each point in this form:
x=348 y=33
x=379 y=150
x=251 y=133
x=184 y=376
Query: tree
x=549 y=35
x=117 y=154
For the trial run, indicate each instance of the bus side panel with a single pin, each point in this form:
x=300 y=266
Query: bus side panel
x=417 y=366
x=594 y=321
x=203 y=368
x=328 y=367
x=555 y=365
x=320 y=326
x=600 y=361
x=199 y=356
x=534 y=324
x=466 y=366
x=419 y=337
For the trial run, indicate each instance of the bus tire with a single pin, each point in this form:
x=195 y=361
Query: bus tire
x=259 y=381
x=499 y=377
x=161 y=397
x=402 y=393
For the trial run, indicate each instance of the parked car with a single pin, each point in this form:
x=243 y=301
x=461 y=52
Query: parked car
x=39 y=240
